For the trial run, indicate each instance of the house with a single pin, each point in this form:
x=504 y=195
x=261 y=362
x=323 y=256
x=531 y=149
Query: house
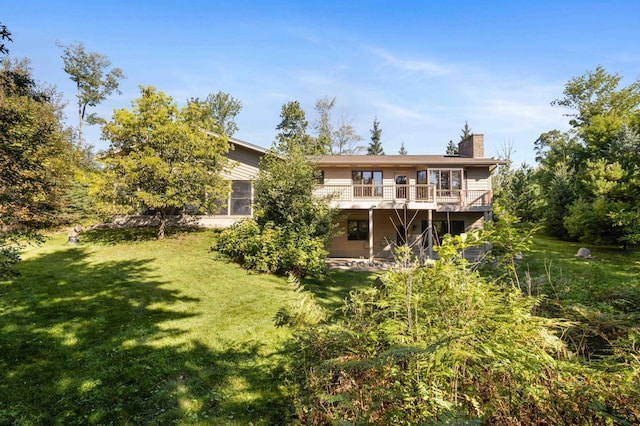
x=244 y=161
x=384 y=200
x=391 y=200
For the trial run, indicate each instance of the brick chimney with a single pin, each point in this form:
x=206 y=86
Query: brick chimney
x=472 y=146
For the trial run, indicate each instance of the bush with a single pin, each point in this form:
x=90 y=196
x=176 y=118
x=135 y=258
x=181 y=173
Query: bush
x=273 y=249
x=444 y=345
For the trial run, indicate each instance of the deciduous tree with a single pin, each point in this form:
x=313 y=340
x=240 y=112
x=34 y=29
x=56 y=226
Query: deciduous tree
x=163 y=158
x=323 y=126
x=94 y=82
x=37 y=159
x=223 y=108
x=345 y=139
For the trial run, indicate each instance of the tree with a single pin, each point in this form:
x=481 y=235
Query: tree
x=291 y=227
x=37 y=159
x=403 y=150
x=224 y=108
x=588 y=176
x=323 y=126
x=346 y=139
x=163 y=158
x=4 y=35
x=93 y=82
x=452 y=148
x=375 y=147
x=292 y=135
x=466 y=131
x=596 y=94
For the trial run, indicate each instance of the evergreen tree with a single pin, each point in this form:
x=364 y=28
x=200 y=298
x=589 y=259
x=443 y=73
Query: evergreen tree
x=466 y=131
x=452 y=148
x=375 y=147
x=4 y=35
x=403 y=150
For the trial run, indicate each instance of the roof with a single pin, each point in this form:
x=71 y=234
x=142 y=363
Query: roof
x=248 y=145
x=404 y=160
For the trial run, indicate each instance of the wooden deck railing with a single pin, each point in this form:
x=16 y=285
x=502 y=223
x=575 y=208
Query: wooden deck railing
x=408 y=193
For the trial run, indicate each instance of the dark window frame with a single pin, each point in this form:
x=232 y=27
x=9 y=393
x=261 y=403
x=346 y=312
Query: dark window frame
x=360 y=230
x=365 y=183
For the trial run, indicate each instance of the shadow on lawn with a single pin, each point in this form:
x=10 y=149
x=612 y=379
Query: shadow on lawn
x=120 y=235
x=332 y=290
x=86 y=343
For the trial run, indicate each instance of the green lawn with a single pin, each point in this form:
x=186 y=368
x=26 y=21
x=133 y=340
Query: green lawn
x=612 y=276
x=124 y=329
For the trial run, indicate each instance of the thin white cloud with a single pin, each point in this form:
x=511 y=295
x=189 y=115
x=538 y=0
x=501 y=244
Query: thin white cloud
x=411 y=65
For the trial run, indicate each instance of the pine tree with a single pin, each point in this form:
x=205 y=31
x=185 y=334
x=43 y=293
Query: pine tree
x=452 y=149
x=403 y=150
x=375 y=147
x=466 y=131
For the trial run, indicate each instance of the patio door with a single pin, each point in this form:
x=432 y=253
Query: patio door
x=402 y=189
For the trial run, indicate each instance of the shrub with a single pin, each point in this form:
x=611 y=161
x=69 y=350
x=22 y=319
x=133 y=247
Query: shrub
x=273 y=249
x=445 y=345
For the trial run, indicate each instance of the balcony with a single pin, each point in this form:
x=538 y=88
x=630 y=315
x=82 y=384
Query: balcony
x=419 y=197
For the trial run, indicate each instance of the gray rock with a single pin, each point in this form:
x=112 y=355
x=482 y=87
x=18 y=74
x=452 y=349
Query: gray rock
x=584 y=253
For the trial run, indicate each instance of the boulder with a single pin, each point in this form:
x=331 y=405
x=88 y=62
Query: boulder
x=585 y=253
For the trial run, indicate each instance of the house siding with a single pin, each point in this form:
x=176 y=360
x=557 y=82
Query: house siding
x=384 y=230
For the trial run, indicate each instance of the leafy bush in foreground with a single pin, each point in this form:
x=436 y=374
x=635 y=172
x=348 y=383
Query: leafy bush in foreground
x=443 y=344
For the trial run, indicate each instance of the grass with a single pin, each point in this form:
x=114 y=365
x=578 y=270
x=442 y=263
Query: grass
x=124 y=329
x=610 y=278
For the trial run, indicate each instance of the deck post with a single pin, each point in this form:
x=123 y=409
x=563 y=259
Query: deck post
x=430 y=232
x=371 y=234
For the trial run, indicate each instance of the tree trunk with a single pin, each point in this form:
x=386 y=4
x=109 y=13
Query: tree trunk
x=162 y=226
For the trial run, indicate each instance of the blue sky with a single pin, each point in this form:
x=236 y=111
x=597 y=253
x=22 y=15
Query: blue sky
x=422 y=68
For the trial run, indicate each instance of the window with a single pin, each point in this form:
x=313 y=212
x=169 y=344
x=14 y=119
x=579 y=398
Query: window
x=442 y=227
x=318 y=177
x=367 y=183
x=358 y=230
x=422 y=191
x=447 y=181
x=240 y=201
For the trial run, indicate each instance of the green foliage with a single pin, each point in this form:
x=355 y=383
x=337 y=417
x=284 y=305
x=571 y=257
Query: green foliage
x=519 y=193
x=466 y=131
x=4 y=35
x=37 y=159
x=323 y=125
x=88 y=70
x=452 y=148
x=163 y=158
x=510 y=240
x=223 y=108
x=291 y=226
x=402 y=150
x=292 y=135
x=375 y=146
x=301 y=310
x=444 y=344
x=429 y=345
x=589 y=177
